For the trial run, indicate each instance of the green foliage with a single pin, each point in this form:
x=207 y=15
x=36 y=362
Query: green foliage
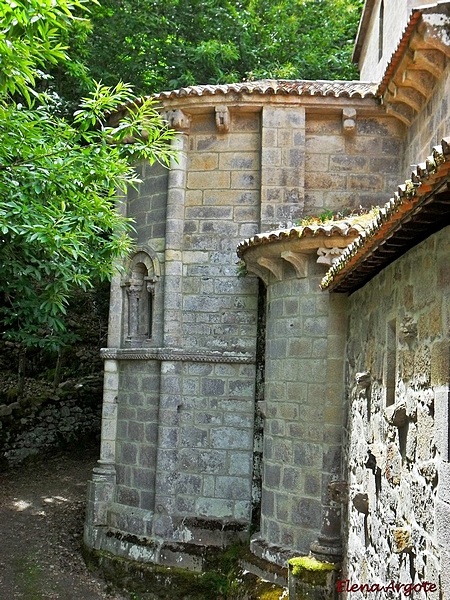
x=160 y=44
x=59 y=229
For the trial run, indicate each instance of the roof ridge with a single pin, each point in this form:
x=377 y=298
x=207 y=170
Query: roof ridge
x=337 y=88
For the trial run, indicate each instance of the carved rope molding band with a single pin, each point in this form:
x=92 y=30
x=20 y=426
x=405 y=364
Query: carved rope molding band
x=175 y=354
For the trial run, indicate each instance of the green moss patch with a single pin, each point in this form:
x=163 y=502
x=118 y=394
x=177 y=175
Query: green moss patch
x=310 y=570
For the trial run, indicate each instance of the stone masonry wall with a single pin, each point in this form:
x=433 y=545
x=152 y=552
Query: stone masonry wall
x=205 y=470
x=431 y=125
x=147 y=204
x=137 y=430
x=282 y=166
x=397 y=453
x=179 y=407
x=347 y=171
x=184 y=443
x=221 y=208
x=302 y=409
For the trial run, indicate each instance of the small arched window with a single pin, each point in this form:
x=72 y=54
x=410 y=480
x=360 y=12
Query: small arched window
x=140 y=288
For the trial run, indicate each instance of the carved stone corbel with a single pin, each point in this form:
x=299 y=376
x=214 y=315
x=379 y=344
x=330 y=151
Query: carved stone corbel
x=177 y=119
x=260 y=272
x=273 y=265
x=338 y=491
x=222 y=118
x=299 y=262
x=349 y=120
x=150 y=283
x=328 y=256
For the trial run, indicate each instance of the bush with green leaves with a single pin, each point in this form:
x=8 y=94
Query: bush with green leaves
x=59 y=177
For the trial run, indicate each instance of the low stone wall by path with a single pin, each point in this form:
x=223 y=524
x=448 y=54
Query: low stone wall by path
x=50 y=419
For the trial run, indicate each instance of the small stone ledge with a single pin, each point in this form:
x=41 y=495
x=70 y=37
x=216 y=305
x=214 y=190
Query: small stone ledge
x=176 y=354
x=194 y=540
x=139 y=576
x=275 y=555
x=264 y=569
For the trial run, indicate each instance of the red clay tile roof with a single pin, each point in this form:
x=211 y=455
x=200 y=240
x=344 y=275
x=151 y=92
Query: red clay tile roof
x=397 y=55
x=343 y=228
x=338 y=89
x=384 y=238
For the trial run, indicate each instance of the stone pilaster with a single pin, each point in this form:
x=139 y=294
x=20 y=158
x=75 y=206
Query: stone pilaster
x=102 y=487
x=173 y=265
x=171 y=371
x=282 y=165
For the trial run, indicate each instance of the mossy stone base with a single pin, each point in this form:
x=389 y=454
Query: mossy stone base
x=312 y=579
x=223 y=580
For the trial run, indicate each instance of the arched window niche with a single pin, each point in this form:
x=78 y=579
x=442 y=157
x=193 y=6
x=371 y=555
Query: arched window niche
x=142 y=275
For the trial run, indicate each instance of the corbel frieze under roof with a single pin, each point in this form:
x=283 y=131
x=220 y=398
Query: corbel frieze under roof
x=418 y=63
x=267 y=254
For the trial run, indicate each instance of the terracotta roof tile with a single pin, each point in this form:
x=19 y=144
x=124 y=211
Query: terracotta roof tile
x=401 y=48
x=405 y=203
x=338 y=89
x=342 y=228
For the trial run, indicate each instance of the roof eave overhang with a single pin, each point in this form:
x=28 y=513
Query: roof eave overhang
x=418 y=63
x=268 y=253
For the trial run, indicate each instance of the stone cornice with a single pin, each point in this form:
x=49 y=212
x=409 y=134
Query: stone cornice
x=253 y=95
x=419 y=61
x=175 y=354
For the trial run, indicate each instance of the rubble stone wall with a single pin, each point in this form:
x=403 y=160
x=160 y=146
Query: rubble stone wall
x=396 y=460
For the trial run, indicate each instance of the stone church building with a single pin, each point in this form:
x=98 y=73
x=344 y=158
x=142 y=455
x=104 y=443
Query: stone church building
x=303 y=407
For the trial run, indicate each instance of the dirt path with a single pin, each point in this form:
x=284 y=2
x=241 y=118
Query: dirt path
x=41 y=523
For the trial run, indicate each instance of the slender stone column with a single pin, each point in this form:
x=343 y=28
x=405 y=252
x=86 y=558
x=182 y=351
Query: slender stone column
x=101 y=489
x=170 y=386
x=173 y=264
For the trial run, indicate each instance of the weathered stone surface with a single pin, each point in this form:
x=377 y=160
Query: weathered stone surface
x=185 y=440
x=402 y=540
x=406 y=439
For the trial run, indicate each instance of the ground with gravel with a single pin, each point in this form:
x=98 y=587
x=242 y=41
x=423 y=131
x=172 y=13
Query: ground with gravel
x=42 y=507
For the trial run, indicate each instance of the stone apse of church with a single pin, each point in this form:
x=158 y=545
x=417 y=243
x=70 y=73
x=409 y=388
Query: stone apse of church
x=179 y=459
x=195 y=450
